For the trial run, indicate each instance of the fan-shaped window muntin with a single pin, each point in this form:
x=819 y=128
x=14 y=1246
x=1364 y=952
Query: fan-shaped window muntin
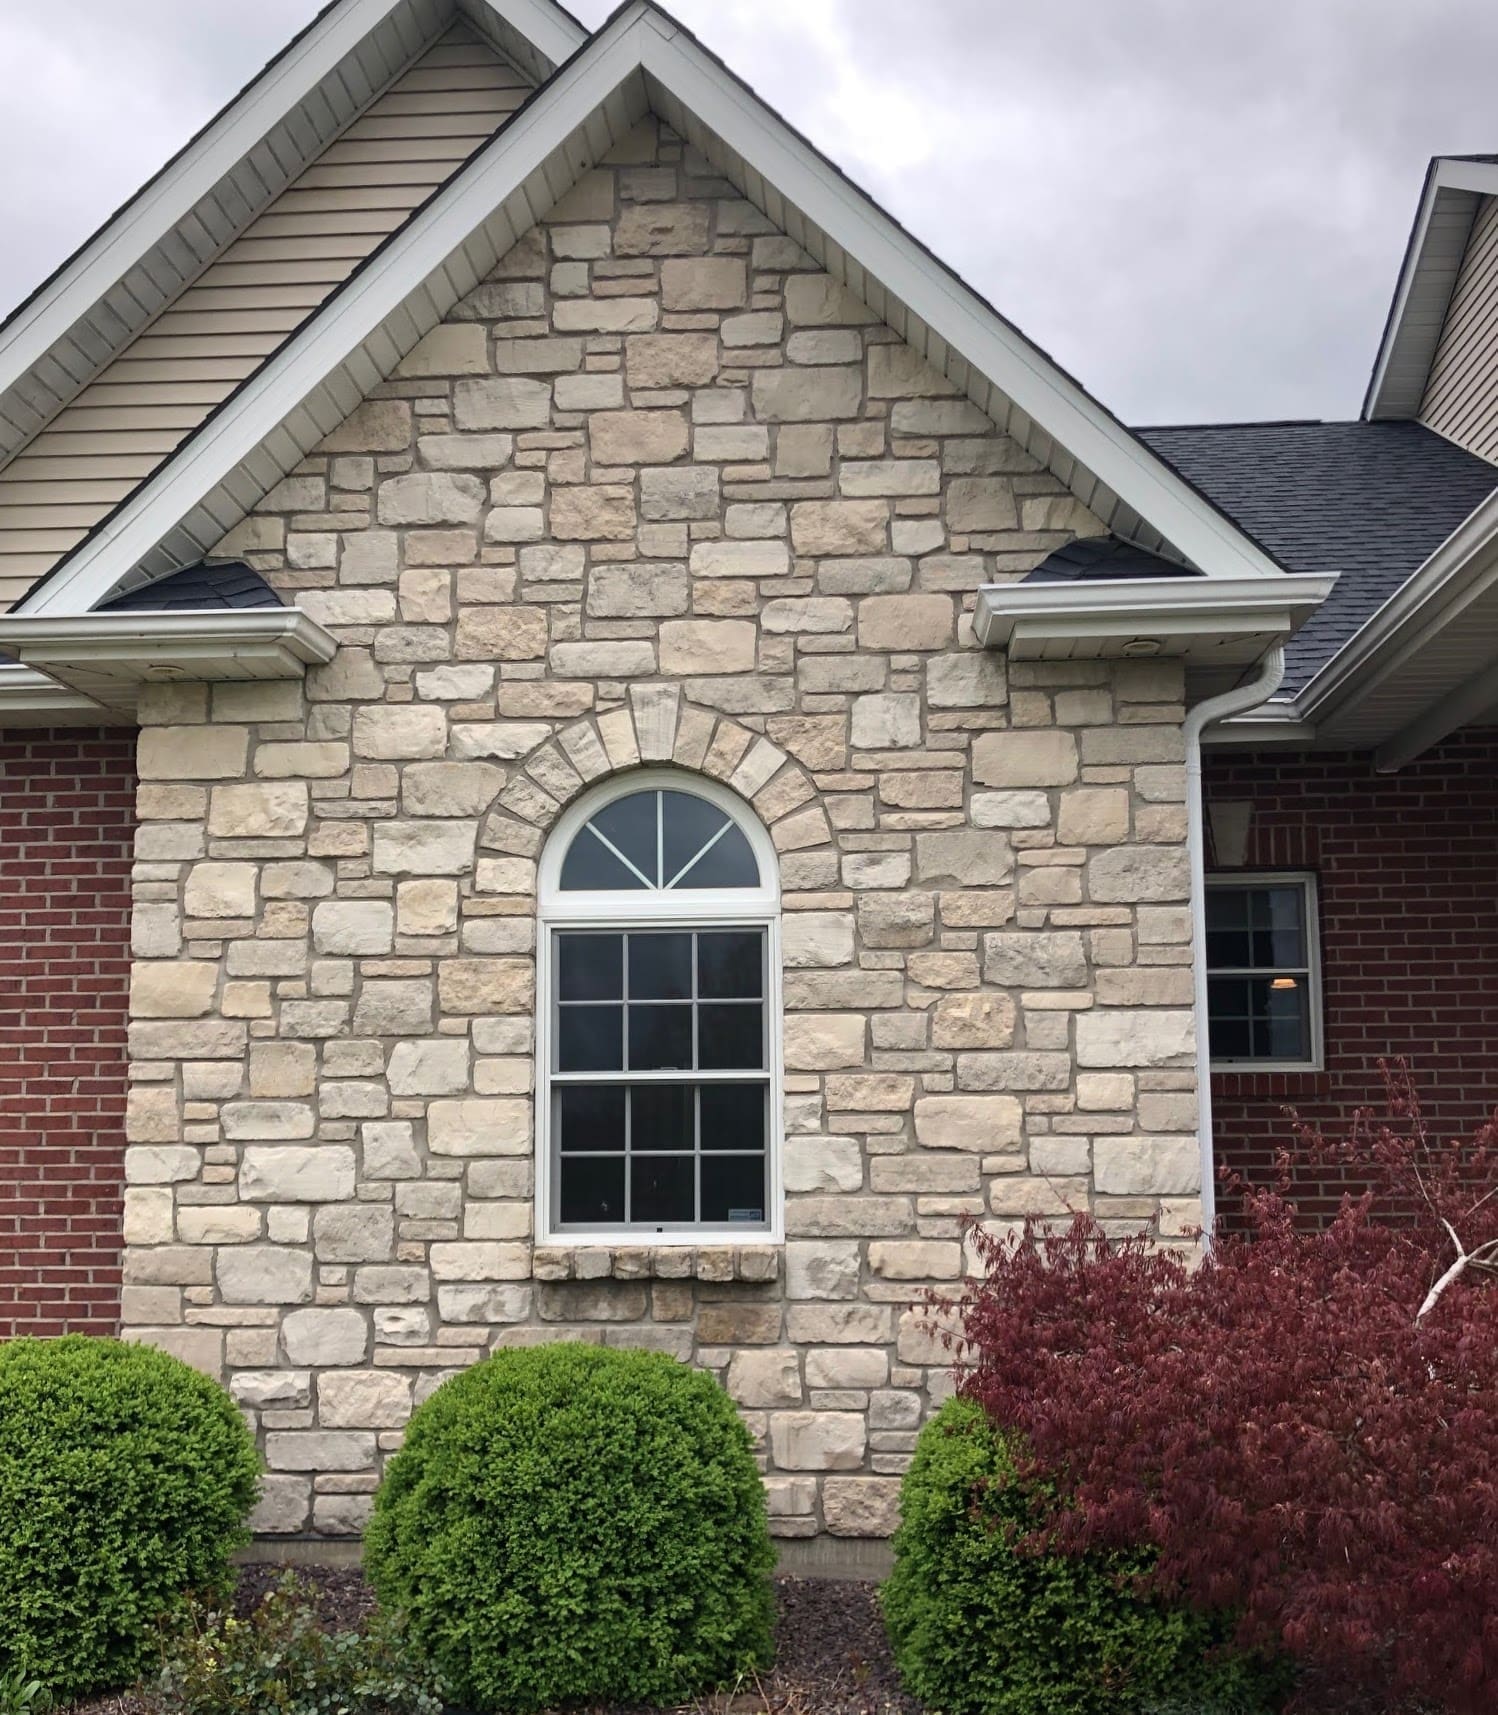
x=658 y=1022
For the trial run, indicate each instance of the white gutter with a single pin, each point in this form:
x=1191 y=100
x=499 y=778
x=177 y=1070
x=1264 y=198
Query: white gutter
x=1238 y=701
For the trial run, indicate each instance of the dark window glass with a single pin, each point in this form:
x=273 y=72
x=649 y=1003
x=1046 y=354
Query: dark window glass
x=687 y=824
x=590 y=1038
x=590 y=1116
x=660 y=1038
x=733 y=1189
x=729 y=1037
x=660 y=967
x=730 y=862
x=591 y=1190
x=663 y=1187
x=661 y=1117
x=733 y=1116
x=590 y=866
x=629 y=825
x=1259 y=1018
x=590 y=967
x=730 y=964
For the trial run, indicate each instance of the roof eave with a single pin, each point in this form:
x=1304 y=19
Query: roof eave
x=1202 y=621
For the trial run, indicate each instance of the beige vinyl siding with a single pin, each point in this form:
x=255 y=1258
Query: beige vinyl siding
x=1461 y=395
x=219 y=330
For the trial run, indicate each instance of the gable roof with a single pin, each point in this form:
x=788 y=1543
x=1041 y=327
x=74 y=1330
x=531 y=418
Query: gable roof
x=640 y=61
x=1367 y=502
x=1454 y=187
x=91 y=306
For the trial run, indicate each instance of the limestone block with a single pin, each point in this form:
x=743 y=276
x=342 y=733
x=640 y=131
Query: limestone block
x=363 y=1399
x=180 y=988
x=161 y=1164
x=976 y=1020
x=375 y=426
x=266 y=1120
x=1147 y=1166
x=353 y=926
x=695 y=646
x=390 y=1150
x=457 y=452
x=398 y=1008
x=396 y=731
x=801 y=395
x=485 y=985
x=739 y=559
x=817 y=300
x=316 y=1173
x=671 y=359
x=703 y=283
x=438 y=1067
x=590 y=392
x=886 y=720
x=605 y=315
x=354 y=1232
x=637 y=437
x=198 y=1039
x=593 y=513
x=913 y=1259
x=430 y=497
x=1127 y=874
x=890 y=476
x=1037 y=756
x=965 y=857
x=845 y=1324
x=1093 y=816
x=677 y=492
x=861 y=1506
x=263 y=1274
x=153 y=1115
x=661 y=229
x=905 y=622
x=155 y=930
x=1010 y=809
x=603 y=660
x=897 y=919
x=821 y=1268
x=849 y=1217
x=451 y=348
x=502 y=402
x=1035 y=959
x=220 y=890
x=817 y=938
x=148 y=1215
x=217 y=1224
x=992 y=1125
x=479 y=1125
x=319 y=1450
x=321 y=1337
x=274 y=811
x=509 y=633
x=192 y=752
x=980 y=504
x=288 y=1389
x=485 y=1304
x=760 y=1379
x=847 y=1366
x=283 y=1505
x=840 y=527
x=900 y=372
x=430 y=848
x=449 y=789
x=974 y=679
x=819 y=1163
x=1134 y=1036
x=818 y=1440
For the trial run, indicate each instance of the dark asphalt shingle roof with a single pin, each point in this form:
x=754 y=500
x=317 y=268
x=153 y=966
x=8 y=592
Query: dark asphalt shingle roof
x=1368 y=501
x=230 y=584
x=1094 y=558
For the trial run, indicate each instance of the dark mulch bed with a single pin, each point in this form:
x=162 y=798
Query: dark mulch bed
x=832 y=1655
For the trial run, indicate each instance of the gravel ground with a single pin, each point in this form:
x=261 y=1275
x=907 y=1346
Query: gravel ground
x=832 y=1656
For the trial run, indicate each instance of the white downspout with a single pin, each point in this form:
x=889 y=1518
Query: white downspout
x=1238 y=701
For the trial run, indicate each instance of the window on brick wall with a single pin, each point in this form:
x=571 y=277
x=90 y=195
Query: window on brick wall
x=658 y=1017
x=1263 y=971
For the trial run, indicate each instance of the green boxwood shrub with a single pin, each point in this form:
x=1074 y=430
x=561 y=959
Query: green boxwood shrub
x=979 y=1629
x=125 y=1480
x=568 y=1523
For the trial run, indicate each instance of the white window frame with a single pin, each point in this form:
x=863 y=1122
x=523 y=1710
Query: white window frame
x=726 y=908
x=1305 y=880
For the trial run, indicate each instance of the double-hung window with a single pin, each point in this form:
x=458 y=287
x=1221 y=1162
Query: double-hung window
x=658 y=1091
x=1263 y=971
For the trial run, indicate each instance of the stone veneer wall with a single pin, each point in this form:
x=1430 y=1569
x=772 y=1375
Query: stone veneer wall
x=659 y=490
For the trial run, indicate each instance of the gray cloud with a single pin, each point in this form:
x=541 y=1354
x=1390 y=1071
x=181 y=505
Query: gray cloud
x=1197 y=209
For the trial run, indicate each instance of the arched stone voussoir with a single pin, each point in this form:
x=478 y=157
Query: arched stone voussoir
x=655 y=727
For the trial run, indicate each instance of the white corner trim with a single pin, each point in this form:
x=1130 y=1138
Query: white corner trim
x=29 y=697
x=550 y=29
x=1127 y=607
x=953 y=311
x=337 y=331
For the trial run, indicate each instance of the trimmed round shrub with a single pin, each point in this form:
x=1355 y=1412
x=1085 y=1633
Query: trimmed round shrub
x=125 y=1481
x=980 y=1627
x=569 y=1523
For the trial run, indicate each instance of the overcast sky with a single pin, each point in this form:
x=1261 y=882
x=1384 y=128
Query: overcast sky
x=1197 y=206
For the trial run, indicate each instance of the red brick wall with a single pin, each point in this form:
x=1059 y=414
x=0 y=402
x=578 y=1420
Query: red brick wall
x=66 y=819
x=1407 y=872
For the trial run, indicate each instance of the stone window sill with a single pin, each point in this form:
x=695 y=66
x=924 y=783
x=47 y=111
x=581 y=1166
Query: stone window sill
x=668 y=1262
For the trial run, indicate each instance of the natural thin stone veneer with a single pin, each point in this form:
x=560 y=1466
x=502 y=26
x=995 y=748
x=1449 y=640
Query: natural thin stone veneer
x=658 y=491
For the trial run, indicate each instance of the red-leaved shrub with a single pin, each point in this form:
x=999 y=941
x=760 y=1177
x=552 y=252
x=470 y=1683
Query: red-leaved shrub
x=1305 y=1427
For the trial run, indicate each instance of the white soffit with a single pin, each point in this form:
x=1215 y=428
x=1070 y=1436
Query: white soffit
x=142 y=258
x=1433 y=259
x=639 y=62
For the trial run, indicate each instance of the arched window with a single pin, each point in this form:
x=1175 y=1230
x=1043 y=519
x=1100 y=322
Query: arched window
x=658 y=1016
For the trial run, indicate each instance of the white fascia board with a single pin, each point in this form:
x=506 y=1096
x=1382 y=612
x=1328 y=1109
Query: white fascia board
x=1462 y=568
x=1478 y=178
x=338 y=330
x=1272 y=724
x=31 y=698
x=1095 y=438
x=122 y=242
x=1143 y=607
x=551 y=30
x=146 y=638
